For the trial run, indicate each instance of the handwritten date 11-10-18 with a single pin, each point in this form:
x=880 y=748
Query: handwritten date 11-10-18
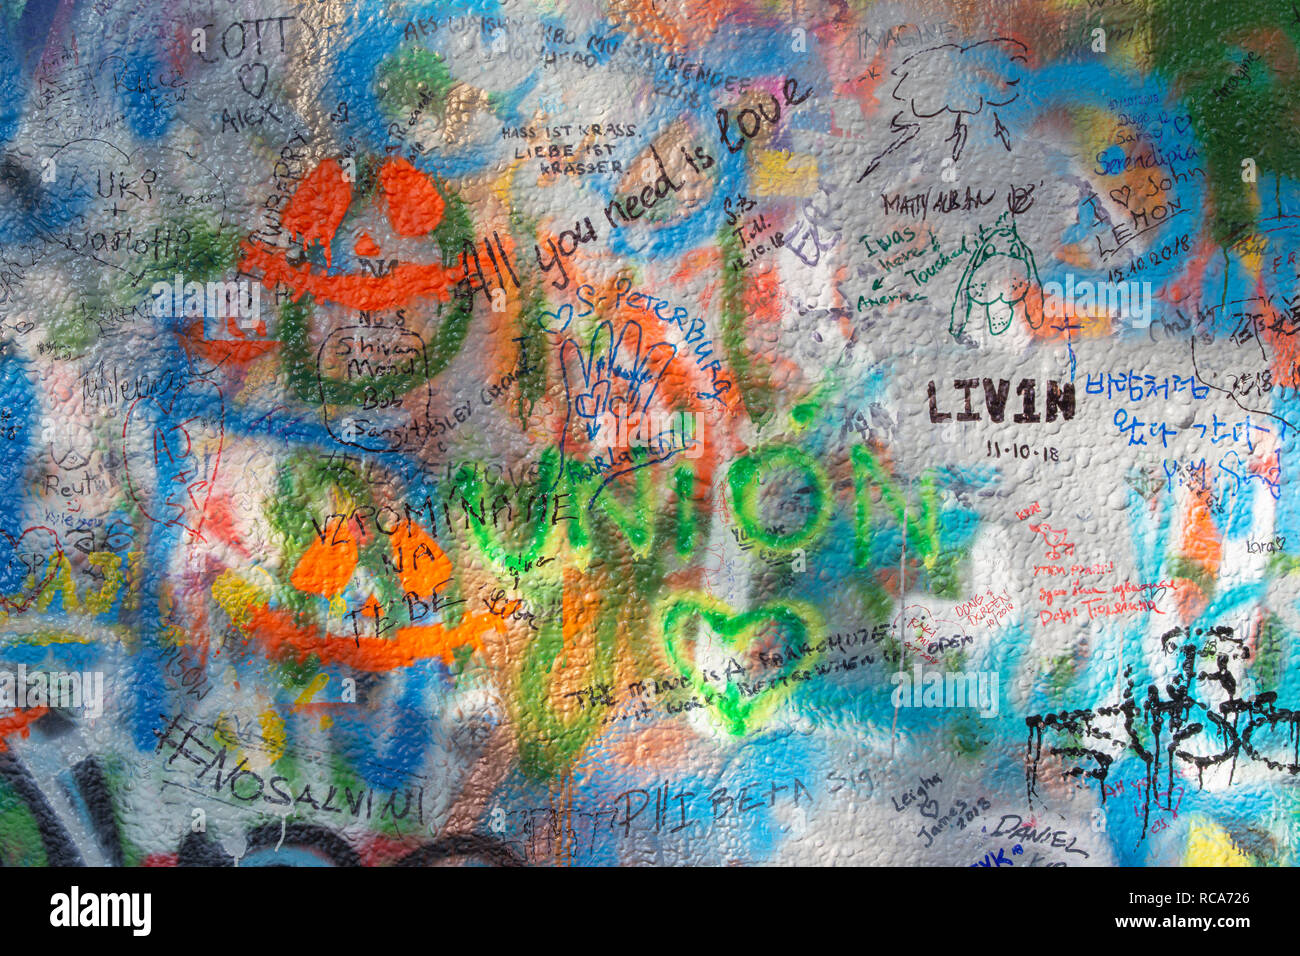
x=1046 y=453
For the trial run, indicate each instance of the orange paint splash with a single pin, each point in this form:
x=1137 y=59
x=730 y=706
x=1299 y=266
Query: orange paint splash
x=864 y=89
x=275 y=631
x=315 y=211
x=1201 y=541
x=20 y=722
x=1189 y=600
x=684 y=381
x=318 y=205
x=365 y=246
x=424 y=568
x=325 y=568
x=366 y=293
x=231 y=353
x=415 y=206
x=1061 y=319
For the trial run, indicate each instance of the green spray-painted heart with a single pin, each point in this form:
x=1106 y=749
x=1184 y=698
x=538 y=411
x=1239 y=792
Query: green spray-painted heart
x=743 y=705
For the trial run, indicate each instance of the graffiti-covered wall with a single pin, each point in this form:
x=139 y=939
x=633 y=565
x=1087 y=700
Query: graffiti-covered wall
x=649 y=433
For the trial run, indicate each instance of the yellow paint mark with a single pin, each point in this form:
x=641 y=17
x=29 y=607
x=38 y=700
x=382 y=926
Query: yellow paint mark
x=338 y=606
x=272 y=734
x=779 y=173
x=45 y=637
x=134 y=563
x=223 y=730
x=111 y=566
x=1208 y=844
x=62 y=582
x=235 y=596
x=1252 y=256
x=312 y=689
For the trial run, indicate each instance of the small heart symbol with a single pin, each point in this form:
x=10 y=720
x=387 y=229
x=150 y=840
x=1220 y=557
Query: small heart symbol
x=550 y=321
x=15 y=569
x=589 y=404
x=933 y=814
x=250 y=80
x=1120 y=195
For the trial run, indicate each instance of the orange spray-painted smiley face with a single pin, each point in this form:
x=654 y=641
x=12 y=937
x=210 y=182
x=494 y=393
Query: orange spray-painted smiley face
x=414 y=208
x=373 y=366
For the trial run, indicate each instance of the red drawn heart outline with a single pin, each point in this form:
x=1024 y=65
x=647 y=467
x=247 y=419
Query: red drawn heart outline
x=6 y=601
x=216 y=464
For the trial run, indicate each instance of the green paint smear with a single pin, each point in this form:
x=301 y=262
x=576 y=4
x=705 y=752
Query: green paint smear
x=547 y=744
x=1060 y=676
x=743 y=479
x=513 y=554
x=532 y=381
x=1197 y=46
x=413 y=71
x=687 y=525
x=1271 y=653
x=969 y=735
x=210 y=254
x=20 y=836
x=753 y=387
x=738 y=714
x=536 y=343
x=117 y=773
x=1180 y=567
x=920 y=522
x=804 y=413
